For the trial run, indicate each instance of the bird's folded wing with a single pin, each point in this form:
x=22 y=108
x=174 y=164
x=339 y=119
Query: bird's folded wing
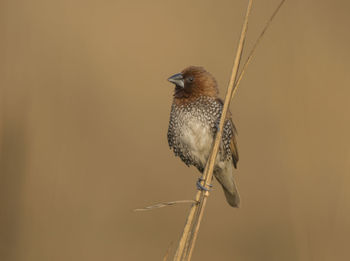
x=233 y=145
x=233 y=141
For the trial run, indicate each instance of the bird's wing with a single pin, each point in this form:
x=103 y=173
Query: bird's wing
x=233 y=144
x=233 y=140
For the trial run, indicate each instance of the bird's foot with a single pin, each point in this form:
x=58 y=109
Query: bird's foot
x=200 y=187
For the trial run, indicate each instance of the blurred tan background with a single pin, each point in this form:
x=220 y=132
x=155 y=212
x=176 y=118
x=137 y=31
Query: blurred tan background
x=84 y=114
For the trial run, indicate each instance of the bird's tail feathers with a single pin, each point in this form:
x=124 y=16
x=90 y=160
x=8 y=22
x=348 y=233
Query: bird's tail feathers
x=226 y=179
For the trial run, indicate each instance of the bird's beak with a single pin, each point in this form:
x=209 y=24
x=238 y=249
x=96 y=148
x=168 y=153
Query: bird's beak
x=177 y=79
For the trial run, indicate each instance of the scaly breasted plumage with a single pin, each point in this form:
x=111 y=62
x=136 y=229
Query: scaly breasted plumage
x=194 y=117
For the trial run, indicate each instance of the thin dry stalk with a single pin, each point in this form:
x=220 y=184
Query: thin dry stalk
x=183 y=243
x=188 y=239
x=250 y=56
x=208 y=174
x=165 y=204
x=165 y=258
x=196 y=212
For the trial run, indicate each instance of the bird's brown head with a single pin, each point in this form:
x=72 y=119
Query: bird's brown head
x=192 y=83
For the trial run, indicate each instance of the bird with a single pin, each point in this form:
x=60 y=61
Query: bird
x=194 y=121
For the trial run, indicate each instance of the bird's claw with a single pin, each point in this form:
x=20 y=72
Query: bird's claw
x=200 y=187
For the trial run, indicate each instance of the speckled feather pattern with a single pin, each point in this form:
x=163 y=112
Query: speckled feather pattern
x=192 y=128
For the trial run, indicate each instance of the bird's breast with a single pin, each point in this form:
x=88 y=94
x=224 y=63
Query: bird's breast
x=197 y=137
x=192 y=129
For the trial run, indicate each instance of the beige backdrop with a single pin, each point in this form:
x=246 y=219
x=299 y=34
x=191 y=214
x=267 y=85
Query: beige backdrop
x=84 y=115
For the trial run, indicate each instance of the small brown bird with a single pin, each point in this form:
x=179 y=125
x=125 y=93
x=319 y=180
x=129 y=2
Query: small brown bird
x=194 y=120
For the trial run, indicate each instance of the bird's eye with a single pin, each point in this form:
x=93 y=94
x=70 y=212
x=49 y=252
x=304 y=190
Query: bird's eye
x=190 y=79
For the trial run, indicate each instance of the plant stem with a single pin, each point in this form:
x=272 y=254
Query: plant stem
x=188 y=238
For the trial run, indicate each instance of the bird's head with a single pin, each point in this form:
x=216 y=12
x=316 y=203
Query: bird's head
x=193 y=82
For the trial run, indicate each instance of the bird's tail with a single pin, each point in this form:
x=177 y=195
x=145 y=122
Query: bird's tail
x=226 y=179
